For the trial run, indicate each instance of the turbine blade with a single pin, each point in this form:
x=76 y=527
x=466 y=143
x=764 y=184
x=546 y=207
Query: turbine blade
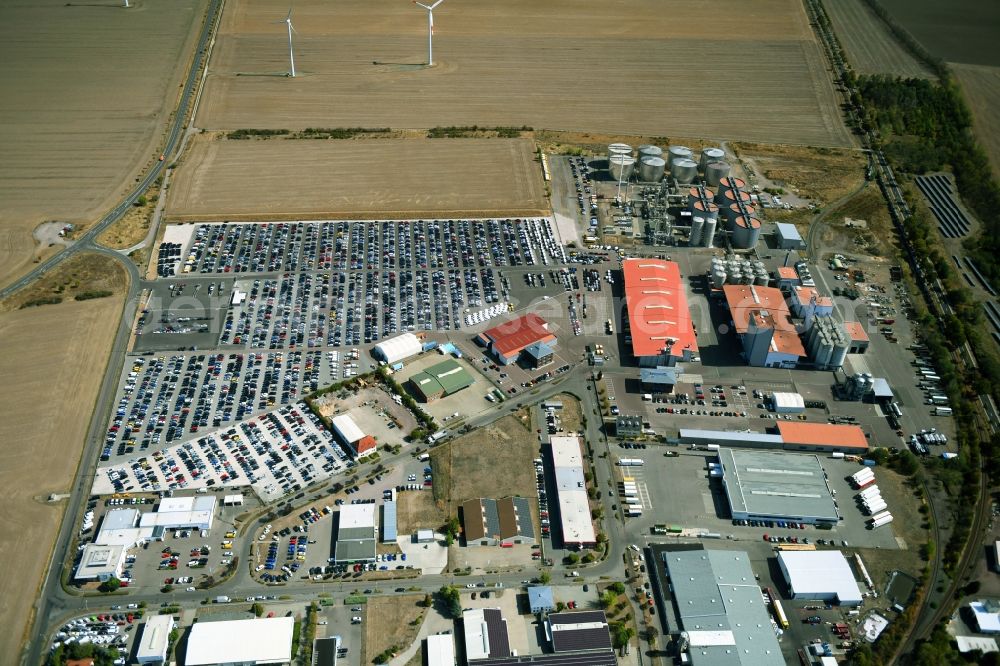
x=436 y=4
x=420 y=4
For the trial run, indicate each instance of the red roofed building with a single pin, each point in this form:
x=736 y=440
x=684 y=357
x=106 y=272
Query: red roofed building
x=806 y=301
x=787 y=277
x=859 y=337
x=761 y=319
x=509 y=339
x=658 y=315
x=798 y=435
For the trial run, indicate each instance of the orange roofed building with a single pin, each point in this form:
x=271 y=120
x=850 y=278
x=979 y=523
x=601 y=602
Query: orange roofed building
x=762 y=322
x=658 y=315
x=510 y=338
x=797 y=435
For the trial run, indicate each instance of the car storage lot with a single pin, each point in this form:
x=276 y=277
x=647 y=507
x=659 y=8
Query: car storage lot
x=277 y=453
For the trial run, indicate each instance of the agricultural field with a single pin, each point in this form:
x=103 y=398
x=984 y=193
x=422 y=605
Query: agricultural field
x=57 y=353
x=871 y=47
x=981 y=87
x=722 y=70
x=318 y=178
x=84 y=109
x=957 y=31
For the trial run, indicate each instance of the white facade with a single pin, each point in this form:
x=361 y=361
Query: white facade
x=99 y=562
x=788 y=403
x=245 y=642
x=346 y=428
x=571 y=488
x=197 y=513
x=152 y=649
x=398 y=348
x=820 y=574
x=440 y=650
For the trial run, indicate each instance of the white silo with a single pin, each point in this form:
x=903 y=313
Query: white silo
x=718 y=279
x=621 y=167
x=697 y=224
x=709 y=155
x=678 y=153
x=651 y=169
x=708 y=233
x=746 y=232
x=715 y=172
x=684 y=170
x=648 y=150
x=619 y=149
x=734 y=277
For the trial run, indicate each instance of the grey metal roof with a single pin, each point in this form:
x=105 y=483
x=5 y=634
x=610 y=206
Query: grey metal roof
x=490 y=516
x=540 y=596
x=775 y=483
x=539 y=350
x=660 y=375
x=525 y=528
x=583 y=630
x=595 y=658
x=388 y=521
x=695 y=435
x=881 y=388
x=350 y=551
x=789 y=231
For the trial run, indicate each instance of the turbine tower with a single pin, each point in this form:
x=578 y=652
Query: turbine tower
x=291 y=54
x=430 y=29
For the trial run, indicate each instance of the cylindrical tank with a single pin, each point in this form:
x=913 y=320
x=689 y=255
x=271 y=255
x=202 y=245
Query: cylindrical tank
x=708 y=210
x=647 y=150
x=697 y=224
x=651 y=169
x=715 y=172
x=734 y=277
x=683 y=169
x=621 y=167
x=747 y=278
x=746 y=232
x=678 y=153
x=709 y=155
x=733 y=210
x=718 y=279
x=761 y=280
x=727 y=198
x=708 y=233
x=839 y=355
x=759 y=267
x=695 y=194
x=619 y=149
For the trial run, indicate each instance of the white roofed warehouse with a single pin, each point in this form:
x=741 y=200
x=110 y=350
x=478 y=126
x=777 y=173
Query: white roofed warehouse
x=788 y=403
x=152 y=646
x=398 y=348
x=820 y=574
x=576 y=526
x=245 y=642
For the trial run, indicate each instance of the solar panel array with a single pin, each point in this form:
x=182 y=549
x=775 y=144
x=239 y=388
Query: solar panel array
x=952 y=221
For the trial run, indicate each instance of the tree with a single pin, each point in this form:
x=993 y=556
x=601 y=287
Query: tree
x=607 y=599
x=453 y=603
x=588 y=558
x=572 y=558
x=560 y=606
x=257 y=609
x=110 y=585
x=428 y=601
x=544 y=578
x=617 y=588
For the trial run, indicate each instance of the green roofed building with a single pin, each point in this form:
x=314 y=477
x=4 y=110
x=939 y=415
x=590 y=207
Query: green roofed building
x=441 y=379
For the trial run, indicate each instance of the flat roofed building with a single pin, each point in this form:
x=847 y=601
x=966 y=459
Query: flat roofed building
x=440 y=650
x=490 y=522
x=788 y=277
x=628 y=425
x=762 y=322
x=986 y=616
x=659 y=379
x=828 y=437
x=441 y=379
x=807 y=301
x=571 y=488
x=351 y=436
x=325 y=651
x=173 y=513
x=484 y=631
x=820 y=574
x=788 y=237
x=658 y=314
x=243 y=642
x=578 y=631
x=388 y=522
x=858 y=336
x=101 y=562
x=772 y=485
x=398 y=348
x=120 y=519
x=152 y=646
x=356 y=531
x=981 y=643
x=507 y=340
x=788 y=403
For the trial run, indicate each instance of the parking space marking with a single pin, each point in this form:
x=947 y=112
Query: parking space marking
x=636 y=475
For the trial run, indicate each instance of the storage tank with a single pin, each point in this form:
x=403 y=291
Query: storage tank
x=839 y=354
x=746 y=232
x=683 y=169
x=727 y=198
x=621 y=167
x=697 y=224
x=718 y=279
x=678 y=153
x=708 y=210
x=647 y=150
x=651 y=169
x=761 y=280
x=734 y=210
x=708 y=233
x=619 y=149
x=734 y=277
x=695 y=194
x=729 y=184
x=715 y=172
x=709 y=155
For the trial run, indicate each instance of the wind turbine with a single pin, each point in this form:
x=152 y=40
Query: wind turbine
x=291 y=54
x=430 y=29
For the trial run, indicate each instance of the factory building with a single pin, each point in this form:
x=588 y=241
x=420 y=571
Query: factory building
x=828 y=343
x=576 y=526
x=100 y=563
x=788 y=237
x=484 y=632
x=825 y=575
x=356 y=532
x=504 y=522
x=440 y=650
x=397 y=349
x=788 y=278
x=151 y=648
x=388 y=524
x=352 y=437
x=858 y=336
x=659 y=379
x=509 y=339
x=711 y=605
x=787 y=403
x=441 y=379
x=658 y=316
x=807 y=303
x=986 y=616
x=628 y=425
x=174 y=513
x=579 y=631
x=772 y=485
x=252 y=642
x=787 y=435
x=761 y=319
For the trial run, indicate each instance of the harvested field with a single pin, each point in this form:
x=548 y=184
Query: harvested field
x=820 y=174
x=85 y=104
x=466 y=468
x=57 y=353
x=337 y=178
x=870 y=45
x=391 y=622
x=981 y=86
x=556 y=65
x=957 y=31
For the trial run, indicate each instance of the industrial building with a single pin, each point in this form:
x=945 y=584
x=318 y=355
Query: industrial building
x=828 y=343
x=788 y=435
x=772 y=485
x=388 y=522
x=325 y=651
x=710 y=602
x=578 y=631
x=788 y=278
x=439 y=380
x=174 y=513
x=807 y=303
x=503 y=522
x=628 y=425
x=762 y=321
x=858 y=336
x=659 y=379
x=244 y=642
x=788 y=237
x=151 y=648
x=509 y=339
x=576 y=526
x=100 y=562
x=820 y=574
x=484 y=632
x=986 y=616
x=440 y=650
x=352 y=437
x=540 y=599
x=787 y=403
x=397 y=349
x=539 y=354
x=659 y=319
x=355 y=533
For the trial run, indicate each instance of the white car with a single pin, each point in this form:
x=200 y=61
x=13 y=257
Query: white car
x=259 y=568
x=470 y=585
x=191 y=589
x=356 y=619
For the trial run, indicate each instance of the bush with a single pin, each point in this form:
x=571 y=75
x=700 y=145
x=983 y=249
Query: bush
x=89 y=295
x=45 y=300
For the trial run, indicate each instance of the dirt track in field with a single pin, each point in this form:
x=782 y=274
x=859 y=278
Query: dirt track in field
x=722 y=70
x=337 y=178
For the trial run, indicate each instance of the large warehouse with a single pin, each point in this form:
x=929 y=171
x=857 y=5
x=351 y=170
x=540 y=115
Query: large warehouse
x=820 y=574
x=509 y=339
x=245 y=642
x=502 y=522
x=577 y=529
x=772 y=485
x=658 y=315
x=712 y=597
x=397 y=349
x=441 y=379
x=788 y=435
x=762 y=322
x=196 y=513
x=152 y=647
x=353 y=437
x=356 y=533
